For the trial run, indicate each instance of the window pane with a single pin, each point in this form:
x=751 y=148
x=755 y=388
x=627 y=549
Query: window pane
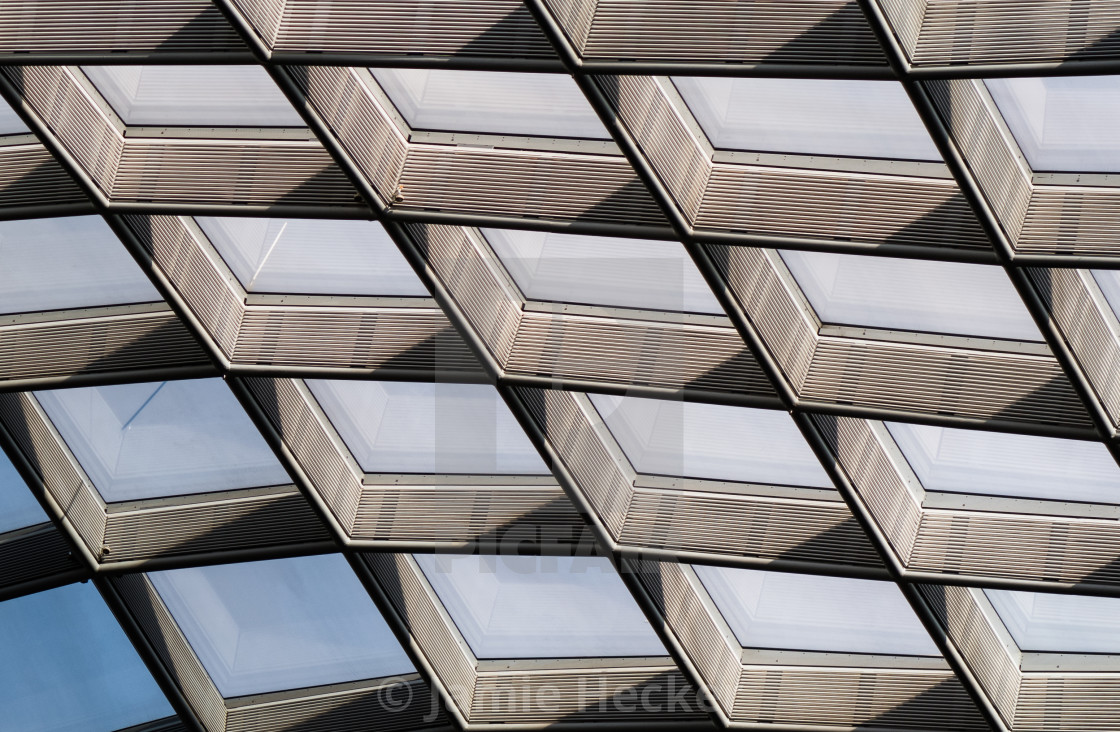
x=910 y=294
x=1109 y=282
x=1059 y=623
x=312 y=256
x=999 y=464
x=194 y=96
x=64 y=263
x=540 y=607
x=491 y=102
x=599 y=270
x=162 y=438
x=404 y=427
x=1063 y=123
x=18 y=507
x=815 y=613
x=863 y=119
x=710 y=441
x=10 y=123
x=68 y=666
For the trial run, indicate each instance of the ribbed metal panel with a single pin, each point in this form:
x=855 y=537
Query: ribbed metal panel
x=839 y=206
x=681 y=162
x=575 y=17
x=905 y=17
x=264 y=15
x=976 y=384
x=1069 y=702
x=1072 y=220
x=34 y=554
x=600 y=188
x=30 y=176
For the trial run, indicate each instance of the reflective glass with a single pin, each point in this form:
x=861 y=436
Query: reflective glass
x=409 y=427
x=815 y=613
x=599 y=270
x=1109 y=282
x=1002 y=464
x=909 y=294
x=162 y=438
x=710 y=441
x=491 y=102
x=1059 y=623
x=68 y=667
x=281 y=624
x=194 y=96
x=834 y=117
x=10 y=123
x=312 y=256
x=18 y=507
x=1063 y=123
x=540 y=607
x=64 y=263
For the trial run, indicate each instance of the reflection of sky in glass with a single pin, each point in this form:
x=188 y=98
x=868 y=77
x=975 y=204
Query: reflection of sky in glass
x=18 y=508
x=10 y=123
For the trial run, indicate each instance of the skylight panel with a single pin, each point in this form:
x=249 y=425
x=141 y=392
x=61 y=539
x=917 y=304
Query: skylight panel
x=491 y=102
x=18 y=507
x=510 y=607
x=833 y=117
x=1109 y=282
x=157 y=439
x=599 y=270
x=194 y=96
x=1063 y=123
x=995 y=463
x=10 y=123
x=913 y=295
x=711 y=441
x=65 y=263
x=281 y=624
x=781 y=610
x=1059 y=623
x=68 y=666
x=312 y=256
x=427 y=428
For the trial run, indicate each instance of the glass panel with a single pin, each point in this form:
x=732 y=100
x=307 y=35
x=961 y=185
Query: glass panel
x=194 y=96
x=910 y=294
x=540 y=607
x=834 y=117
x=312 y=256
x=159 y=439
x=1109 y=282
x=711 y=441
x=491 y=102
x=405 y=427
x=1059 y=623
x=1000 y=464
x=10 y=123
x=814 y=613
x=18 y=507
x=599 y=270
x=72 y=262
x=281 y=624
x=1063 y=123
x=68 y=666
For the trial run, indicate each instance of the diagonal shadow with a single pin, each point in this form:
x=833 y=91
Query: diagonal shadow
x=44 y=190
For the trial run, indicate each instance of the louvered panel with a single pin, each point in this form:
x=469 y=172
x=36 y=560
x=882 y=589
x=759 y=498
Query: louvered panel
x=754 y=526
x=839 y=206
x=262 y=173
x=975 y=384
x=905 y=17
x=332 y=476
x=361 y=124
x=412 y=339
x=214 y=526
x=265 y=16
x=80 y=126
x=172 y=649
x=575 y=17
x=97 y=345
x=636 y=352
x=1071 y=703
x=31 y=27
x=454 y=666
x=992 y=158
x=787 y=331
x=1072 y=220
x=34 y=554
x=896 y=511
x=487 y=306
x=601 y=479
x=564 y=186
x=881 y=698
x=494 y=28
x=30 y=176
x=988 y=660
x=678 y=157
x=770 y=31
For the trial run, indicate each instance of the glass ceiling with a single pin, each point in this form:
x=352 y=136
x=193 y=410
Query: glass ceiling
x=1051 y=623
x=18 y=507
x=1109 y=282
x=159 y=439
x=540 y=607
x=10 y=123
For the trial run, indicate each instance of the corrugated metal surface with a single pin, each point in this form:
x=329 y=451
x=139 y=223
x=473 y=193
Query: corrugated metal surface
x=575 y=18
x=264 y=15
x=1072 y=220
x=34 y=555
x=1070 y=702
x=905 y=18
x=30 y=176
